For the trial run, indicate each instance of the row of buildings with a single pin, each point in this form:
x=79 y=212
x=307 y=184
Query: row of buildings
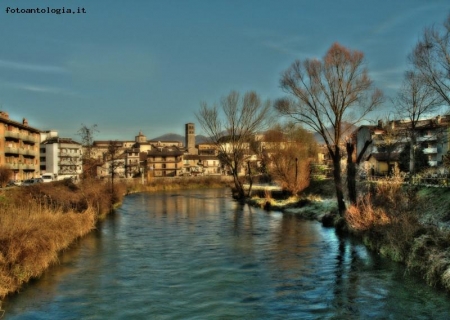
x=30 y=152
x=157 y=158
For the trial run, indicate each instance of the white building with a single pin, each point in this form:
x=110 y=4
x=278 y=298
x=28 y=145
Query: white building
x=60 y=156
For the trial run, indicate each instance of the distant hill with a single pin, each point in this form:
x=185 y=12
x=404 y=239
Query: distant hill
x=179 y=137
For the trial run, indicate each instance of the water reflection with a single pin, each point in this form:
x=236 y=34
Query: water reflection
x=197 y=254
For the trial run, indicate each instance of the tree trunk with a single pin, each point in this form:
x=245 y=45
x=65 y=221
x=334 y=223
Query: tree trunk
x=250 y=180
x=338 y=183
x=351 y=169
x=351 y=173
x=412 y=159
x=238 y=185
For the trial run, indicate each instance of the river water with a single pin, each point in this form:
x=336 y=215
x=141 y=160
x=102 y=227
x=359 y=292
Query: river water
x=200 y=255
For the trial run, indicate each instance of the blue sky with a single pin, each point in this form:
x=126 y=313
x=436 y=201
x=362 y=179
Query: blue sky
x=147 y=65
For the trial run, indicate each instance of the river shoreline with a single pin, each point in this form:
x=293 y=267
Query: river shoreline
x=91 y=203
x=419 y=240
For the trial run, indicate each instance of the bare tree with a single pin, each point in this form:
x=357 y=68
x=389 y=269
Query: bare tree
x=113 y=158
x=289 y=150
x=5 y=175
x=232 y=127
x=87 y=140
x=326 y=95
x=415 y=100
x=431 y=58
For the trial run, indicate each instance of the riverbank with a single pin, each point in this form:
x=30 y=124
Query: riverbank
x=40 y=221
x=177 y=183
x=410 y=225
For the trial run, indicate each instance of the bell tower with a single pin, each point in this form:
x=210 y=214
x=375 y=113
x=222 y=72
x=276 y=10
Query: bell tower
x=190 y=138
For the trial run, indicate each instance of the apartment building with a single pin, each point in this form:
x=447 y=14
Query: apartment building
x=61 y=157
x=201 y=165
x=164 y=161
x=19 y=147
x=432 y=137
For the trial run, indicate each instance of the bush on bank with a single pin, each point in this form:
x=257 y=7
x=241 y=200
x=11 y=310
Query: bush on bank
x=397 y=221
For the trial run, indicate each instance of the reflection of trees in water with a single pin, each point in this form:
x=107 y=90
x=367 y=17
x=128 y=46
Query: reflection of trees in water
x=347 y=282
x=294 y=244
x=184 y=204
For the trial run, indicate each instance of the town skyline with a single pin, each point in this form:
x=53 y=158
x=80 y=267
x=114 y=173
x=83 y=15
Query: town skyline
x=147 y=67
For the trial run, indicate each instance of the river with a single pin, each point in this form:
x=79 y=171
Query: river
x=199 y=255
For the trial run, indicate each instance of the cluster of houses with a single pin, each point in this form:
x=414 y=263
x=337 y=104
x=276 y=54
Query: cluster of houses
x=389 y=139
x=30 y=152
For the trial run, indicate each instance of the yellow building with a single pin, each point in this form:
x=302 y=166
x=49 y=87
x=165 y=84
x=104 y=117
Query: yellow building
x=19 y=147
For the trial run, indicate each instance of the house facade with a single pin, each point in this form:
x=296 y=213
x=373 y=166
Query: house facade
x=61 y=157
x=19 y=147
x=163 y=161
x=388 y=140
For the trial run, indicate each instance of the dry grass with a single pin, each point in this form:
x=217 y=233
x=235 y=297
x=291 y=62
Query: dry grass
x=31 y=235
x=364 y=216
x=388 y=218
x=37 y=222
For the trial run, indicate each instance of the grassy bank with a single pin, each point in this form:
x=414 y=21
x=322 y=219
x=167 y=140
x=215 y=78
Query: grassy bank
x=314 y=202
x=38 y=222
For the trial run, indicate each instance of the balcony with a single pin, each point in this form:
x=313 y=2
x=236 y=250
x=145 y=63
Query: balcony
x=27 y=152
x=429 y=150
x=12 y=134
x=428 y=137
x=28 y=137
x=14 y=165
x=12 y=150
x=28 y=167
x=432 y=163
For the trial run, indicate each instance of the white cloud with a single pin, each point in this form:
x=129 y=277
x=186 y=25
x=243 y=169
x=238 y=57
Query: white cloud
x=31 y=67
x=37 y=88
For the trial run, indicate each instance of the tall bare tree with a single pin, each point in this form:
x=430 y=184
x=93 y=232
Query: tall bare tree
x=431 y=58
x=232 y=127
x=415 y=100
x=327 y=94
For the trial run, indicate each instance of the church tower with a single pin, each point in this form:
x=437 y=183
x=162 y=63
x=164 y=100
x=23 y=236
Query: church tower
x=140 y=138
x=190 y=138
